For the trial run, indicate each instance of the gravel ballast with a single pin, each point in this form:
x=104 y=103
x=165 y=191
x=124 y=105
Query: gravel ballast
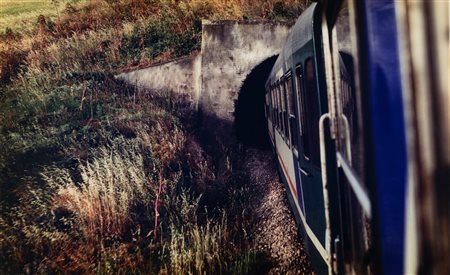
x=274 y=229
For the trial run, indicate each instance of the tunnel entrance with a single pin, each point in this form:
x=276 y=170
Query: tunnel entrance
x=249 y=119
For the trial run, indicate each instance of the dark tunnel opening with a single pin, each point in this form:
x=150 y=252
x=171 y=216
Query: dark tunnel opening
x=249 y=117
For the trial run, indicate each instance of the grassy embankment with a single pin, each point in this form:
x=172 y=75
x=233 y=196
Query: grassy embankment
x=96 y=176
x=21 y=15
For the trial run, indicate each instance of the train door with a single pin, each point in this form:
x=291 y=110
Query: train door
x=354 y=237
x=310 y=109
x=293 y=126
x=354 y=197
x=355 y=249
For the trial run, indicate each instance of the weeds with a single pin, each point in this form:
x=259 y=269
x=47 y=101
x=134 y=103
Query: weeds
x=199 y=249
x=97 y=177
x=109 y=186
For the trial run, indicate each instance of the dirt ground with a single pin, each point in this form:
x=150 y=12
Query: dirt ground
x=275 y=232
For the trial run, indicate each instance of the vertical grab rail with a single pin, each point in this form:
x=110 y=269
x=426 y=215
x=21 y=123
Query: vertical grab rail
x=323 y=167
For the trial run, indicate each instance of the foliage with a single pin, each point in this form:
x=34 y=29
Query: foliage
x=90 y=169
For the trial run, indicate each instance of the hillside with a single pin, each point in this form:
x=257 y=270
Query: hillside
x=97 y=177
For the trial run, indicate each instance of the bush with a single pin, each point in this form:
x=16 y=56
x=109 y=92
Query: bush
x=155 y=40
x=11 y=64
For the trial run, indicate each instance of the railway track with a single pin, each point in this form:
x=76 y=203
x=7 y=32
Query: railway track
x=274 y=230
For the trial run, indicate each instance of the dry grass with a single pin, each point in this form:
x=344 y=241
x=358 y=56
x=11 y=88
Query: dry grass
x=199 y=249
x=122 y=33
x=91 y=171
x=98 y=213
x=110 y=186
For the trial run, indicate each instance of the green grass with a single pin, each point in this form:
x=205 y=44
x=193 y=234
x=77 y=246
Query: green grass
x=99 y=177
x=20 y=15
x=15 y=7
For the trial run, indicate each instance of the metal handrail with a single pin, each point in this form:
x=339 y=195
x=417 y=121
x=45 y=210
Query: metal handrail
x=323 y=166
x=348 y=144
x=356 y=186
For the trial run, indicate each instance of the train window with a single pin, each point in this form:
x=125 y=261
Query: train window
x=265 y=106
x=291 y=115
x=290 y=94
x=269 y=98
x=277 y=113
x=277 y=96
x=274 y=106
x=285 y=118
x=312 y=115
x=269 y=105
x=300 y=99
x=272 y=103
x=348 y=98
x=285 y=112
x=281 y=106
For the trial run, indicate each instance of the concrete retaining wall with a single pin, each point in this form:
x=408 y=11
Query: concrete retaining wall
x=230 y=50
x=181 y=76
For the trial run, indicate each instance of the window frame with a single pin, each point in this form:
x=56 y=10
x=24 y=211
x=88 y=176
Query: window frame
x=280 y=110
x=300 y=97
x=310 y=152
x=292 y=116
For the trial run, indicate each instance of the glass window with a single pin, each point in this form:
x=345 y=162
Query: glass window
x=300 y=98
x=280 y=111
x=312 y=115
x=277 y=116
x=275 y=98
x=269 y=105
x=285 y=111
x=274 y=106
x=290 y=94
x=348 y=97
x=292 y=116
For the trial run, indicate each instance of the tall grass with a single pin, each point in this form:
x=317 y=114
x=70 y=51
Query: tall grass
x=98 y=177
x=167 y=28
x=199 y=249
x=110 y=185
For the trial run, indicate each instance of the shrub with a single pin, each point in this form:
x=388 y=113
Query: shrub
x=11 y=64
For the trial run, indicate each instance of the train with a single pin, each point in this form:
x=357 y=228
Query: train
x=357 y=106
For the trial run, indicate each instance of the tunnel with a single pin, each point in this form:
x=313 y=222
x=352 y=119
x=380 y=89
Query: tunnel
x=249 y=118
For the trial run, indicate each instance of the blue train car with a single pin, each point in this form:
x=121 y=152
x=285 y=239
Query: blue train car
x=348 y=139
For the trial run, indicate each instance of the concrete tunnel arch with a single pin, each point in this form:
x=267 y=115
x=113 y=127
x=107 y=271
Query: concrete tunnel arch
x=250 y=124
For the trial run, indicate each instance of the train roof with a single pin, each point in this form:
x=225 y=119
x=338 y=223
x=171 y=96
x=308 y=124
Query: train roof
x=301 y=33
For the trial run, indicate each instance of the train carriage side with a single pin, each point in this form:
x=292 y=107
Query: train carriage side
x=297 y=97
x=367 y=166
